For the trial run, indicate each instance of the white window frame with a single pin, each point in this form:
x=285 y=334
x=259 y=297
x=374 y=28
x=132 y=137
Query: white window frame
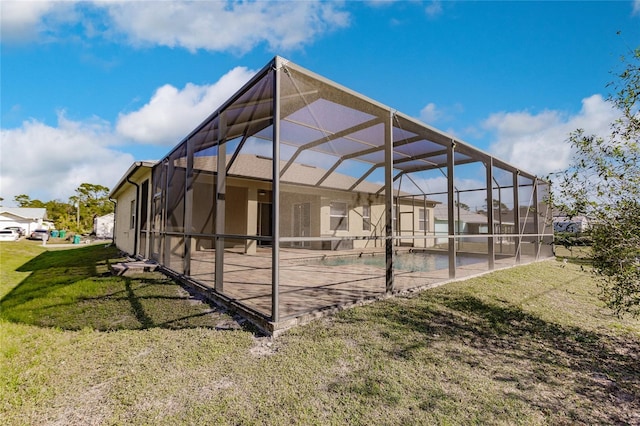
x=366 y=217
x=132 y=221
x=344 y=223
x=423 y=220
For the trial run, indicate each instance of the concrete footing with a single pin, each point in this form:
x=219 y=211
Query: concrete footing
x=133 y=267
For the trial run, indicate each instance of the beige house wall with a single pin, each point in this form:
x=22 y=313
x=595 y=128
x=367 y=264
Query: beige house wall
x=124 y=234
x=242 y=200
x=243 y=196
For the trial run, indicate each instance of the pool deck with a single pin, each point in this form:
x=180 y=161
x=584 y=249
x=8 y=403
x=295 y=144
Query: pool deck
x=307 y=286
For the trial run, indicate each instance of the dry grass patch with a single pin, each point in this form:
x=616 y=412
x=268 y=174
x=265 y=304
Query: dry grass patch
x=529 y=345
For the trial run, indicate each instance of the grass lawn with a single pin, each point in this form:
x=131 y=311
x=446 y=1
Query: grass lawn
x=527 y=345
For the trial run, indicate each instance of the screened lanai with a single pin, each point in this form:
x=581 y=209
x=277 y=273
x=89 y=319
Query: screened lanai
x=299 y=196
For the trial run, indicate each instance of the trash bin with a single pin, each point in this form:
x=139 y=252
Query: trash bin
x=76 y=239
x=54 y=234
x=62 y=234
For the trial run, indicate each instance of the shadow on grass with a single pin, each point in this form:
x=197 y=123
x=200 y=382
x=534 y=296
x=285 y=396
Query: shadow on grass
x=571 y=374
x=73 y=289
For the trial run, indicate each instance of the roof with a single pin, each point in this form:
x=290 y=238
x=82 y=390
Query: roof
x=261 y=167
x=33 y=213
x=440 y=212
x=129 y=173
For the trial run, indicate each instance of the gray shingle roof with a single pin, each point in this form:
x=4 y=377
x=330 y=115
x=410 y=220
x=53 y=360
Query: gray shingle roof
x=259 y=167
x=25 y=212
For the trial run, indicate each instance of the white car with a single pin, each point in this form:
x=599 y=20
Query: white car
x=9 y=235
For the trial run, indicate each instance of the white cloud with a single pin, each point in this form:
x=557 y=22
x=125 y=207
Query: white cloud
x=23 y=21
x=219 y=26
x=172 y=113
x=235 y=26
x=20 y=20
x=430 y=114
x=434 y=9
x=49 y=163
x=537 y=143
x=636 y=8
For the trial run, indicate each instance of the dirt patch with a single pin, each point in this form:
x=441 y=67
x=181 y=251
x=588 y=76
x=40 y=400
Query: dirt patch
x=263 y=347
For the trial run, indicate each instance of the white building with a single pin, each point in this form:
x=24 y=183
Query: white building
x=103 y=226
x=28 y=219
x=574 y=224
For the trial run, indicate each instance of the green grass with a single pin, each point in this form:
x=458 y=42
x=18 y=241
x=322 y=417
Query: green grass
x=527 y=345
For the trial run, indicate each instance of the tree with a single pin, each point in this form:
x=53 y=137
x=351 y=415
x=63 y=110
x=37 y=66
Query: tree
x=603 y=183
x=77 y=215
x=497 y=206
x=62 y=214
x=462 y=205
x=90 y=200
x=24 y=200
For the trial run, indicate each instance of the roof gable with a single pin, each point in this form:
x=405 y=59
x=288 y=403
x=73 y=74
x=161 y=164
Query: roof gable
x=32 y=213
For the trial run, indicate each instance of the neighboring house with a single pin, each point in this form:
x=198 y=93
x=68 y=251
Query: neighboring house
x=103 y=225
x=530 y=220
x=470 y=223
x=574 y=224
x=27 y=218
x=467 y=222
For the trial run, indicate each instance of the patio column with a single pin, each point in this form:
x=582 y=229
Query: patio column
x=490 y=226
x=536 y=218
x=165 y=207
x=275 y=217
x=450 y=209
x=388 y=201
x=221 y=184
x=188 y=209
x=516 y=214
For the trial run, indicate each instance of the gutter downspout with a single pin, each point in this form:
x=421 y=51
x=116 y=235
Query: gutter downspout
x=115 y=216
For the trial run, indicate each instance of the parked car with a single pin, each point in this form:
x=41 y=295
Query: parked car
x=9 y=235
x=18 y=229
x=39 y=234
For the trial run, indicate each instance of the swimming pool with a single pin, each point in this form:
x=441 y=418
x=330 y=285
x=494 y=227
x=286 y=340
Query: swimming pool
x=405 y=261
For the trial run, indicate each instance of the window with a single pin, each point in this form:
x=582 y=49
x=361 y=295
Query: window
x=338 y=216
x=132 y=225
x=366 y=218
x=423 y=222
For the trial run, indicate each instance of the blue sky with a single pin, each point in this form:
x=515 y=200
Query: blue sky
x=89 y=87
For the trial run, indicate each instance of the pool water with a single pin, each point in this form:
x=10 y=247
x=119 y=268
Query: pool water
x=413 y=262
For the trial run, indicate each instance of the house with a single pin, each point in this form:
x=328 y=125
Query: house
x=298 y=196
x=27 y=218
x=575 y=224
x=131 y=218
x=103 y=225
x=473 y=229
x=466 y=222
x=332 y=218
